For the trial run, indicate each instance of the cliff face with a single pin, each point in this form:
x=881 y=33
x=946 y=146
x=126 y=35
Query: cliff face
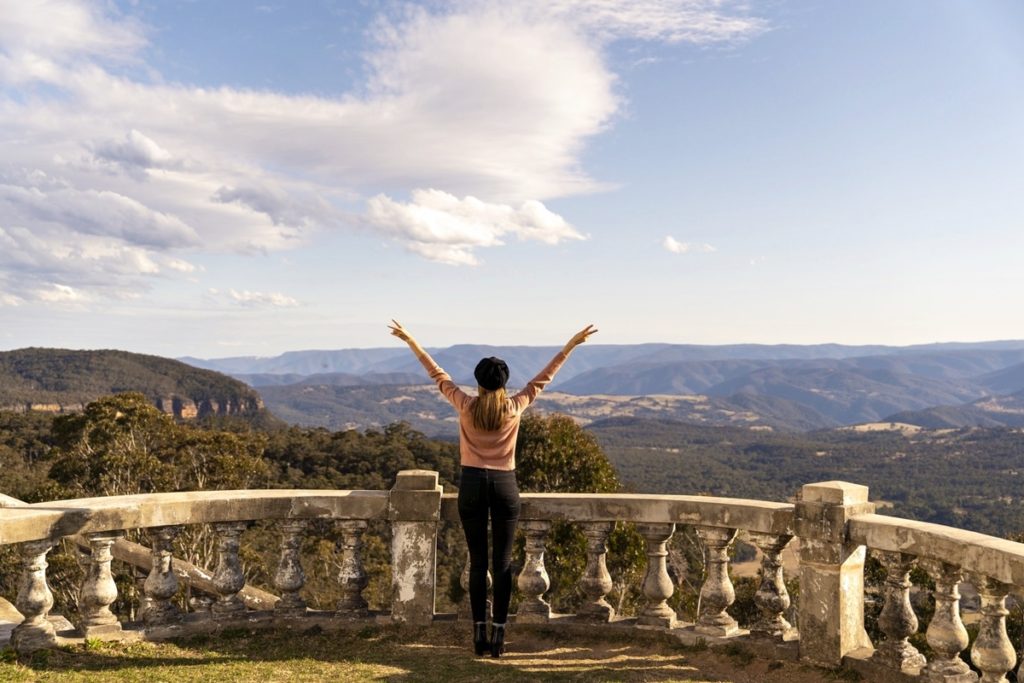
x=63 y=381
x=189 y=409
x=181 y=408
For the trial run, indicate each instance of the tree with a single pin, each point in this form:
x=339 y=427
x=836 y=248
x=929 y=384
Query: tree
x=122 y=445
x=554 y=454
x=118 y=445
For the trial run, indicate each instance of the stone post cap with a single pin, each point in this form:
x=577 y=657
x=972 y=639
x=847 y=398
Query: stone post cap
x=416 y=480
x=834 y=493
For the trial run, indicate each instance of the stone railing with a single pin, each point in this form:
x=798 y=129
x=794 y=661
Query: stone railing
x=833 y=521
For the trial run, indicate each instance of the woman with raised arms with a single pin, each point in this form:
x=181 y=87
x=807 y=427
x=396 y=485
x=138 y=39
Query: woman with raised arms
x=488 y=428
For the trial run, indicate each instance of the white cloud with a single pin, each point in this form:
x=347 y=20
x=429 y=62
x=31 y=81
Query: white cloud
x=31 y=260
x=122 y=177
x=691 y=21
x=96 y=212
x=133 y=152
x=254 y=299
x=10 y=300
x=676 y=247
x=63 y=31
x=58 y=293
x=442 y=227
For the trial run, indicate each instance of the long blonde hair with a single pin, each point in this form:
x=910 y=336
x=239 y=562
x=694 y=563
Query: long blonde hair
x=490 y=409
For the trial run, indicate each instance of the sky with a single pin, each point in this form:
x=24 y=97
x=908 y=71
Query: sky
x=222 y=178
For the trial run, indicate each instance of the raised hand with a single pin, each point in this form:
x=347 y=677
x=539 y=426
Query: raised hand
x=580 y=337
x=398 y=331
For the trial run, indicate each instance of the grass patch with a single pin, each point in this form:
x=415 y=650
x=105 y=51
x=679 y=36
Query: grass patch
x=387 y=653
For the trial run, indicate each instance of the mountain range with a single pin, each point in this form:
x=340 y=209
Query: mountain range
x=788 y=387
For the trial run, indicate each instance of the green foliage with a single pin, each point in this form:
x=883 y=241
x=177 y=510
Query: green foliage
x=25 y=445
x=967 y=478
x=554 y=454
x=121 y=445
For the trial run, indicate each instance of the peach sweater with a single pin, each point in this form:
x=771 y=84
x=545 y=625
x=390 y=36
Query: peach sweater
x=490 y=450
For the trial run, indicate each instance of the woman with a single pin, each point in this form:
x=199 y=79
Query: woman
x=488 y=427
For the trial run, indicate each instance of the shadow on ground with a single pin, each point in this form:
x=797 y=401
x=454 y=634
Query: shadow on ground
x=440 y=653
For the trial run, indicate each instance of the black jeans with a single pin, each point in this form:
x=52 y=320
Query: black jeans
x=495 y=493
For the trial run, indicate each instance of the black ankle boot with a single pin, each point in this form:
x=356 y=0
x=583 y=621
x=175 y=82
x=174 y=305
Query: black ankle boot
x=480 y=644
x=497 y=640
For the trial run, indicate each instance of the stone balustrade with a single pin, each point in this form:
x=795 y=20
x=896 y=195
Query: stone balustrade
x=833 y=524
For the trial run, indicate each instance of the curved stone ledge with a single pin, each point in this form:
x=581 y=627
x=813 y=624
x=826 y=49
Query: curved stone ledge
x=736 y=513
x=993 y=557
x=55 y=519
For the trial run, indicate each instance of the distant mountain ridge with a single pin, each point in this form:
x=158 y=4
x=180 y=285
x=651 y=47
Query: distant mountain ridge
x=61 y=380
x=788 y=387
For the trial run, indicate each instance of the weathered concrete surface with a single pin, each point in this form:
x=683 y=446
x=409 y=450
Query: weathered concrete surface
x=60 y=518
x=140 y=556
x=11 y=617
x=735 y=513
x=414 y=510
x=831 y=572
x=985 y=555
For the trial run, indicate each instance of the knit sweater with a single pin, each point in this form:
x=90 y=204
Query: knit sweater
x=490 y=450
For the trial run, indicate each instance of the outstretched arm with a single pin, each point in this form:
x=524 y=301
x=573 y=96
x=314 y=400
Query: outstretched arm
x=544 y=377
x=451 y=391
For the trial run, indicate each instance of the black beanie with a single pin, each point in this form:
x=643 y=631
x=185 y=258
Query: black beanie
x=491 y=373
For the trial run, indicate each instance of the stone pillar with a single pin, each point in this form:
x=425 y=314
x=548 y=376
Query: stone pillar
x=831 y=572
x=946 y=633
x=228 y=578
x=993 y=652
x=717 y=593
x=99 y=591
x=161 y=585
x=596 y=582
x=771 y=598
x=351 y=575
x=897 y=620
x=290 y=578
x=465 y=607
x=658 y=586
x=34 y=600
x=414 y=508
x=533 y=581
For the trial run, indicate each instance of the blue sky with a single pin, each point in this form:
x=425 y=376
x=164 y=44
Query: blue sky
x=232 y=178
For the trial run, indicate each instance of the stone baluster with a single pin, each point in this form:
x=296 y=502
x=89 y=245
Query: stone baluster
x=290 y=578
x=533 y=581
x=717 y=593
x=993 y=652
x=658 y=586
x=228 y=577
x=946 y=633
x=465 y=608
x=161 y=585
x=771 y=598
x=34 y=600
x=99 y=591
x=596 y=582
x=897 y=619
x=351 y=575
